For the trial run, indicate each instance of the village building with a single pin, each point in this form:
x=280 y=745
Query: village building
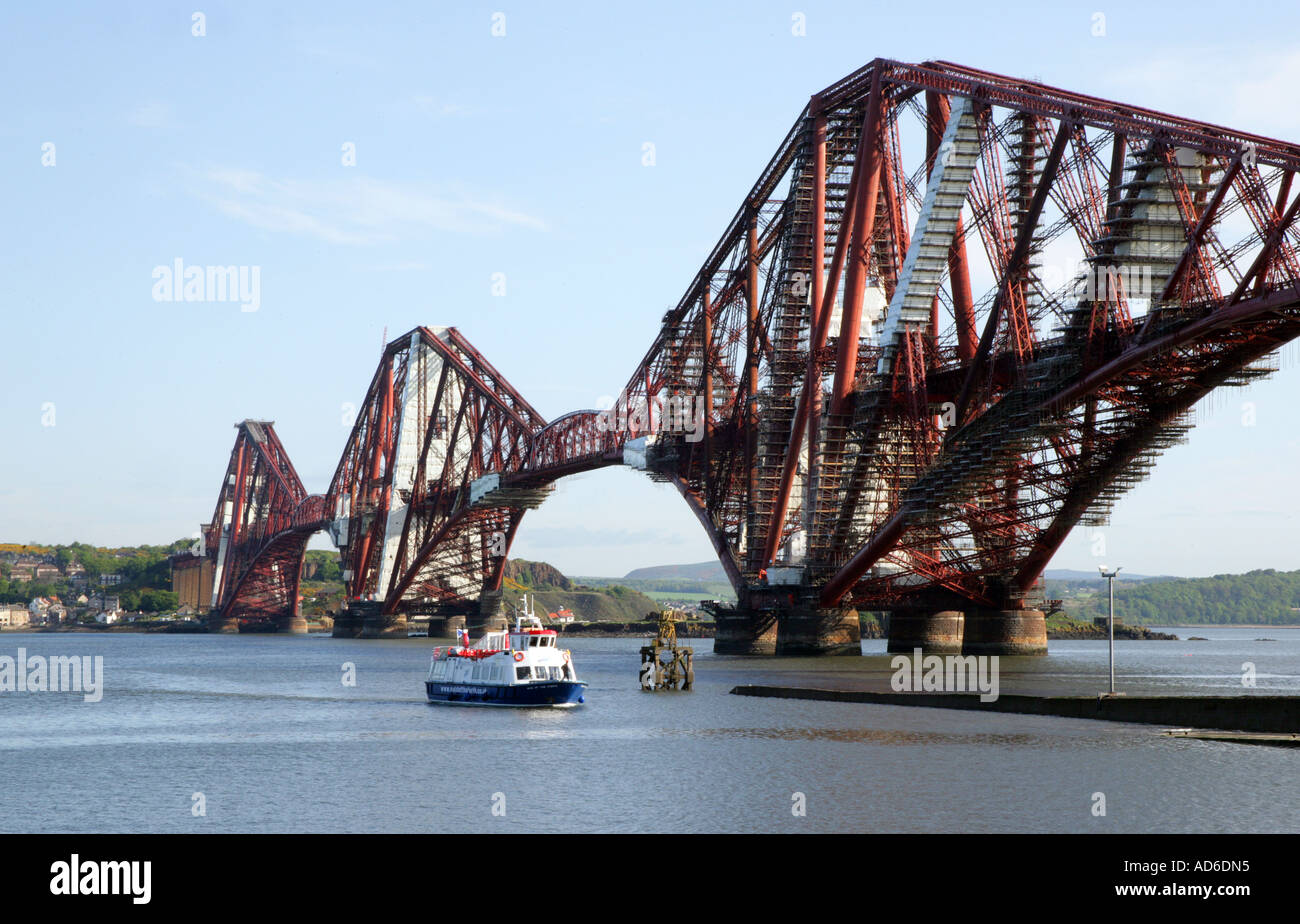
x=13 y=616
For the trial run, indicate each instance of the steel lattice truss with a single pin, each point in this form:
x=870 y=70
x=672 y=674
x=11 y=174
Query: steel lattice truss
x=436 y=418
x=957 y=315
x=882 y=425
x=260 y=529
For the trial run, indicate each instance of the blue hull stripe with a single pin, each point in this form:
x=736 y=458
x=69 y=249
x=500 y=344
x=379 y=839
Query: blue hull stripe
x=545 y=693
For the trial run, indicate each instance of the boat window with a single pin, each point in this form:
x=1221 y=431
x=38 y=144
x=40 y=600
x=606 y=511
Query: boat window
x=532 y=642
x=521 y=673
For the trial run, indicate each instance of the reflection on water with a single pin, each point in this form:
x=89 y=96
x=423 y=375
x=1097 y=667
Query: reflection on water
x=264 y=727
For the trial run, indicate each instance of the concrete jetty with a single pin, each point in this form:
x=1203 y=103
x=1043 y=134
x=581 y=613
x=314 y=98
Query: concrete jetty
x=1268 y=714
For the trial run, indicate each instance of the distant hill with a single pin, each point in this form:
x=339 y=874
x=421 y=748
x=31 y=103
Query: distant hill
x=1066 y=574
x=704 y=571
x=674 y=585
x=552 y=591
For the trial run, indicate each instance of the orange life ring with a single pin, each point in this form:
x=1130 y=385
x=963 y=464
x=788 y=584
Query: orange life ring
x=519 y=655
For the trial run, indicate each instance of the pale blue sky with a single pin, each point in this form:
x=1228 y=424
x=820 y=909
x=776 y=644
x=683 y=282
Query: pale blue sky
x=475 y=155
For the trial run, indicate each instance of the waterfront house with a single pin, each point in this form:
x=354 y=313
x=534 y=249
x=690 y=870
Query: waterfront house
x=13 y=616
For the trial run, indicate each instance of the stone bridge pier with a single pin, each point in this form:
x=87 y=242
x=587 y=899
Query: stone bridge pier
x=366 y=619
x=791 y=623
x=281 y=624
x=785 y=622
x=975 y=631
x=490 y=615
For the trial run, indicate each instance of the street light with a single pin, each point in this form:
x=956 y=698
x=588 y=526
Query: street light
x=1110 y=579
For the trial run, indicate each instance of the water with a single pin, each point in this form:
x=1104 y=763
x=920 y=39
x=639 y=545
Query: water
x=264 y=728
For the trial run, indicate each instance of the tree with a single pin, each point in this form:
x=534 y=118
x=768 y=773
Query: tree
x=158 y=601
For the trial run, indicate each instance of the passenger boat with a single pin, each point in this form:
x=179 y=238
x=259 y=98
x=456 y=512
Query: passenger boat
x=522 y=666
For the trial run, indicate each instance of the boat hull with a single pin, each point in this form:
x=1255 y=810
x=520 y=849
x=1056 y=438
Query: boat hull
x=554 y=693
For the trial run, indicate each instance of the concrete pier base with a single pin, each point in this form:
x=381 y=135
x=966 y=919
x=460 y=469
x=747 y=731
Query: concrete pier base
x=477 y=625
x=1005 y=632
x=291 y=625
x=227 y=625
x=803 y=632
x=491 y=615
x=938 y=632
x=445 y=626
x=383 y=625
x=347 y=624
x=741 y=632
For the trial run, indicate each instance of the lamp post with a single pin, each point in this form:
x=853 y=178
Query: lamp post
x=1110 y=580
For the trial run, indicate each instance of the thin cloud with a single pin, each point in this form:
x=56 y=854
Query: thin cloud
x=435 y=107
x=356 y=210
x=409 y=266
x=150 y=115
x=1243 y=94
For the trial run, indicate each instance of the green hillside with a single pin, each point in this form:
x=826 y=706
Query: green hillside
x=553 y=591
x=1265 y=597
x=141 y=574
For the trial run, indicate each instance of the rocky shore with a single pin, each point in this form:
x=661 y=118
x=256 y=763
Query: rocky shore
x=1069 y=629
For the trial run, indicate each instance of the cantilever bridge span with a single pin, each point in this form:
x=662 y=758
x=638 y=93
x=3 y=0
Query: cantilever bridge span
x=957 y=315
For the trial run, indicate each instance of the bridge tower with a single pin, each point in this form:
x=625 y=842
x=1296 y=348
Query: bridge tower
x=414 y=529
x=258 y=536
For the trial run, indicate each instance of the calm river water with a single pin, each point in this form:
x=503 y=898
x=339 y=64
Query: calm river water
x=264 y=728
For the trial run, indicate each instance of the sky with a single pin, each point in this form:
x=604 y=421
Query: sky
x=137 y=134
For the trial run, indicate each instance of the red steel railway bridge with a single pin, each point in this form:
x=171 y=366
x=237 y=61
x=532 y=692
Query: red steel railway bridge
x=957 y=315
